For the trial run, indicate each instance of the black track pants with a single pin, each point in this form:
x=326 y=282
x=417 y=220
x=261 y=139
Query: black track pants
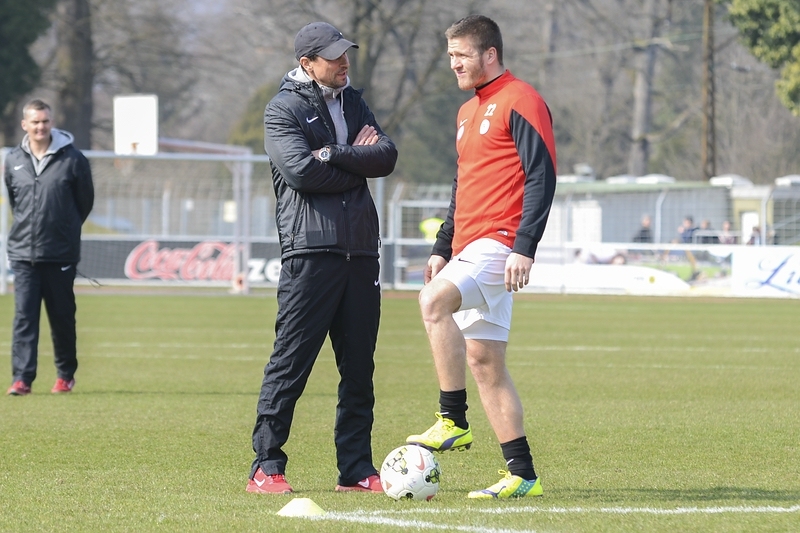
x=53 y=283
x=319 y=295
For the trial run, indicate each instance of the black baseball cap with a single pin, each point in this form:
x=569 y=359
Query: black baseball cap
x=320 y=39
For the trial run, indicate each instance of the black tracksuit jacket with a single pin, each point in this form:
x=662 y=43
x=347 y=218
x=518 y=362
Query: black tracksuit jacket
x=49 y=209
x=323 y=207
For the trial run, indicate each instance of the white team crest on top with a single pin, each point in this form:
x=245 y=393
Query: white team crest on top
x=484 y=126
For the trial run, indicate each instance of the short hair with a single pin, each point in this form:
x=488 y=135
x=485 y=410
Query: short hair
x=311 y=57
x=484 y=31
x=35 y=104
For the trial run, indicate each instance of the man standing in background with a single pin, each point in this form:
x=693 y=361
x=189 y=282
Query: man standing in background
x=501 y=198
x=51 y=194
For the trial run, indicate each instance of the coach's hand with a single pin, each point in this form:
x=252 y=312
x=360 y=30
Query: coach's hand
x=366 y=137
x=518 y=271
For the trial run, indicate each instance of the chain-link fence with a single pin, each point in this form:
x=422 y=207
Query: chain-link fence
x=686 y=229
x=193 y=218
x=209 y=219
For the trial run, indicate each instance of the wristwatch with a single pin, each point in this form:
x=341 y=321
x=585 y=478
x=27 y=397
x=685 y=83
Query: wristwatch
x=325 y=154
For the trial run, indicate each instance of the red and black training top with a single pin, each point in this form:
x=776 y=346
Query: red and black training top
x=506 y=169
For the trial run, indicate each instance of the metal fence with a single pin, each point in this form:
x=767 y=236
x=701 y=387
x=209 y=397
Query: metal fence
x=177 y=217
x=597 y=223
x=209 y=219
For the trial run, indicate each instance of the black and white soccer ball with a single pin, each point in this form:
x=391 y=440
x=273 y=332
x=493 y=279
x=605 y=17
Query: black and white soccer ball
x=410 y=472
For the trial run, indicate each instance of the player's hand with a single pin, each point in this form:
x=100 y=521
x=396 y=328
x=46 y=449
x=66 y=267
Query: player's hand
x=518 y=271
x=435 y=264
x=366 y=137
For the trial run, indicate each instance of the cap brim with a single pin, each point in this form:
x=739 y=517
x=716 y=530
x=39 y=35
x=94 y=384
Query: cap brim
x=336 y=50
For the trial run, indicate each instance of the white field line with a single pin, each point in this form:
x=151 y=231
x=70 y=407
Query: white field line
x=144 y=350
x=216 y=345
x=419 y=525
x=154 y=352
x=174 y=357
x=268 y=345
x=767 y=509
x=511 y=348
x=384 y=518
x=653 y=366
x=676 y=348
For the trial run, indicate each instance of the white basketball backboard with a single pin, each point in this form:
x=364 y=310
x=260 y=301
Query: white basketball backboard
x=136 y=124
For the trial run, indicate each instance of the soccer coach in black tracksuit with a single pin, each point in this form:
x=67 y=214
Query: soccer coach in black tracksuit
x=50 y=191
x=323 y=143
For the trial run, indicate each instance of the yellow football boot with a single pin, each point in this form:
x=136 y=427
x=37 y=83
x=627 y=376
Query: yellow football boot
x=510 y=486
x=443 y=435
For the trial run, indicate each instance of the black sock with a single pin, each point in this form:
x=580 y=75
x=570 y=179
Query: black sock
x=453 y=405
x=517 y=454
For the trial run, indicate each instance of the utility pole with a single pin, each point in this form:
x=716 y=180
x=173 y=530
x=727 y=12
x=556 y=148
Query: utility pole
x=548 y=42
x=708 y=150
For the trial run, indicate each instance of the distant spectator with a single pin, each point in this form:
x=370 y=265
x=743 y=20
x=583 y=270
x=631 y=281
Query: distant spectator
x=644 y=234
x=686 y=230
x=430 y=227
x=725 y=235
x=686 y=233
x=600 y=255
x=707 y=234
x=755 y=236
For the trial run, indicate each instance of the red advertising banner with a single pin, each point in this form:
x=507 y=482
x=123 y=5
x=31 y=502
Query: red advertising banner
x=205 y=261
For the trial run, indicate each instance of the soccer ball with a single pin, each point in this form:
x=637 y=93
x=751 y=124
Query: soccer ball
x=410 y=472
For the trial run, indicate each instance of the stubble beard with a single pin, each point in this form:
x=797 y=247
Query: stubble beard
x=472 y=79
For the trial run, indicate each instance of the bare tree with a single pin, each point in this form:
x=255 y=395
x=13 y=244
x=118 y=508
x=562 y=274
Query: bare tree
x=75 y=70
x=22 y=23
x=141 y=47
x=401 y=44
x=206 y=60
x=644 y=68
x=549 y=31
x=100 y=48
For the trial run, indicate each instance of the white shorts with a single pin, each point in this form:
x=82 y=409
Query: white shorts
x=479 y=274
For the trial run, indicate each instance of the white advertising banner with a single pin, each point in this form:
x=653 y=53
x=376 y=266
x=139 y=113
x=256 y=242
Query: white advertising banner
x=766 y=271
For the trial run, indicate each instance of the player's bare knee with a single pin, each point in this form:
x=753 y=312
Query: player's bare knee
x=485 y=377
x=480 y=364
x=431 y=311
x=435 y=304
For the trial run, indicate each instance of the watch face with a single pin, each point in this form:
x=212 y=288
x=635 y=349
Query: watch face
x=325 y=154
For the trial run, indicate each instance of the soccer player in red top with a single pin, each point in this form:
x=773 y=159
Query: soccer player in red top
x=484 y=250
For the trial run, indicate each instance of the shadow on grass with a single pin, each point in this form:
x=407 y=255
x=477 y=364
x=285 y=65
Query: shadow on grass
x=694 y=496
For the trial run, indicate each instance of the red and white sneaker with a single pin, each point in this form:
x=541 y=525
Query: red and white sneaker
x=19 y=388
x=62 y=385
x=269 y=484
x=368 y=484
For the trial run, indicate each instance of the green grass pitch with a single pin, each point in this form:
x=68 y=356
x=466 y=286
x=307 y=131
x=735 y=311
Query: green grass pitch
x=644 y=414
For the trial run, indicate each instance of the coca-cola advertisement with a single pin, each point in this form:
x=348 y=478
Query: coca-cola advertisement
x=152 y=260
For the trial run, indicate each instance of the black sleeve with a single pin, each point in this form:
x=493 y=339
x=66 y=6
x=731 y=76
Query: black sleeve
x=540 y=184
x=84 y=187
x=444 y=238
x=12 y=201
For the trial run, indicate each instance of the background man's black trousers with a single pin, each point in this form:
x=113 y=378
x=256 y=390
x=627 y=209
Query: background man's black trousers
x=53 y=283
x=319 y=295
